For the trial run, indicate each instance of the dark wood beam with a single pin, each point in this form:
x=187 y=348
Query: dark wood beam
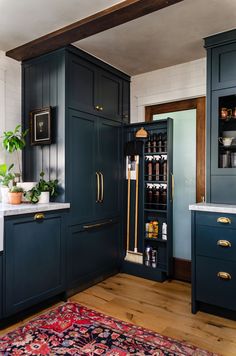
x=113 y=16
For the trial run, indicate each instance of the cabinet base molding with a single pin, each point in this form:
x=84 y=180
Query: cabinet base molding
x=215 y=310
x=92 y=281
x=140 y=270
x=26 y=313
x=182 y=269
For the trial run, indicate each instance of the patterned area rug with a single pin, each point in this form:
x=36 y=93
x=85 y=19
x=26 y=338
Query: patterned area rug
x=72 y=329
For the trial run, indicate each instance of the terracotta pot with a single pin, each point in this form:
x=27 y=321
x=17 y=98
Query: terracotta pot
x=14 y=198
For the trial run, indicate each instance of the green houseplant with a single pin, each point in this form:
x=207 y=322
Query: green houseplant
x=43 y=190
x=6 y=176
x=15 y=195
x=14 y=141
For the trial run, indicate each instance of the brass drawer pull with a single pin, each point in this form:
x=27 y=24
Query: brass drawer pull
x=224 y=243
x=39 y=216
x=92 y=226
x=224 y=220
x=224 y=275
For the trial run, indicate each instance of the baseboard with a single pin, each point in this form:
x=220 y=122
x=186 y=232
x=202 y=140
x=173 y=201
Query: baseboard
x=182 y=269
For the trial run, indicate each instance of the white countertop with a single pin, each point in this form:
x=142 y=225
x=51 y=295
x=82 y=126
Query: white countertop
x=215 y=208
x=27 y=208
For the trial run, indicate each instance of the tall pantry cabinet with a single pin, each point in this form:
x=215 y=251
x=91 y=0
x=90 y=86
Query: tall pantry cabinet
x=86 y=97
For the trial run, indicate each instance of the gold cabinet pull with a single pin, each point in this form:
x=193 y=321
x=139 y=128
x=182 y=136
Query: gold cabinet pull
x=224 y=243
x=92 y=226
x=97 y=107
x=101 y=108
x=224 y=220
x=98 y=188
x=39 y=216
x=102 y=187
x=172 y=187
x=224 y=275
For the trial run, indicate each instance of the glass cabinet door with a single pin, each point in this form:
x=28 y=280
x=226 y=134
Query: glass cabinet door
x=223 y=137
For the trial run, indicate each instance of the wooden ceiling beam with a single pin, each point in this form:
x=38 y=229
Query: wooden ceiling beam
x=116 y=15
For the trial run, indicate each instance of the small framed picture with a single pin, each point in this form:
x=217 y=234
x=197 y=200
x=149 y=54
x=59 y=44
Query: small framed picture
x=40 y=126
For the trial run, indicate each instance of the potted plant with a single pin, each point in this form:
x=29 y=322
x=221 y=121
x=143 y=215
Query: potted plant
x=15 y=195
x=43 y=190
x=6 y=176
x=14 y=141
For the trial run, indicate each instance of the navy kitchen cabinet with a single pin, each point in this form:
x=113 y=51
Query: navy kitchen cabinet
x=213 y=262
x=94 y=90
x=221 y=114
x=94 y=172
x=34 y=260
x=1 y=285
x=93 y=252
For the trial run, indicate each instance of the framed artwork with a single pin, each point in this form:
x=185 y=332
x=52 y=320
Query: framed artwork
x=40 y=127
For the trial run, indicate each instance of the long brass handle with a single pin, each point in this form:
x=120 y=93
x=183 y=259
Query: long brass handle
x=98 y=188
x=224 y=243
x=224 y=220
x=39 y=216
x=172 y=186
x=92 y=226
x=224 y=275
x=102 y=187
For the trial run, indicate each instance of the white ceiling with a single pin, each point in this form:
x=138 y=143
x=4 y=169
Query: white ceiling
x=167 y=37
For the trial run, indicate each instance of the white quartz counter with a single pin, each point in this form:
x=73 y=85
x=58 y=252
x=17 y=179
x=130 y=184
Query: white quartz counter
x=214 y=208
x=11 y=210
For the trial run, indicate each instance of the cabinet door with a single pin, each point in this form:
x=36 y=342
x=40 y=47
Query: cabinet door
x=110 y=96
x=224 y=66
x=109 y=168
x=126 y=102
x=34 y=261
x=82 y=85
x=80 y=166
x=1 y=289
x=92 y=251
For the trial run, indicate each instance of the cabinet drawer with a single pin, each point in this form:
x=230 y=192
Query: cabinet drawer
x=216 y=242
x=212 y=289
x=212 y=219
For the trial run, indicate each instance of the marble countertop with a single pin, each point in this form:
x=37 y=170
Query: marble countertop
x=27 y=208
x=215 y=208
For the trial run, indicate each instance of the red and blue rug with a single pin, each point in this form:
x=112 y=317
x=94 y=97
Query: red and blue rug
x=72 y=329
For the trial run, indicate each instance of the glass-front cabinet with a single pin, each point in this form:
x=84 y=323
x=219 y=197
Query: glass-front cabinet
x=223 y=138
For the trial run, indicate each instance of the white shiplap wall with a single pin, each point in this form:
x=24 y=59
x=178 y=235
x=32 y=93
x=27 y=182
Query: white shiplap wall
x=183 y=81
x=10 y=96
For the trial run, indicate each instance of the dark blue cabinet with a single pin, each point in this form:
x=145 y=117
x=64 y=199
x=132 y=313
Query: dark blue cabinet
x=213 y=262
x=93 y=167
x=1 y=284
x=92 y=252
x=34 y=260
x=221 y=123
x=94 y=90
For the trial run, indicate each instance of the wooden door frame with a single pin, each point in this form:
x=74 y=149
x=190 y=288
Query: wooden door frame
x=200 y=105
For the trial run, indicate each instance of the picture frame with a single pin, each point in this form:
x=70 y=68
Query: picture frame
x=41 y=126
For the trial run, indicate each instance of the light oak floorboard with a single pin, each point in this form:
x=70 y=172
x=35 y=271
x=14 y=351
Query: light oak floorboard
x=161 y=307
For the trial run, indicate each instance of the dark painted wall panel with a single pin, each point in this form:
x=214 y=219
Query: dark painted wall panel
x=44 y=85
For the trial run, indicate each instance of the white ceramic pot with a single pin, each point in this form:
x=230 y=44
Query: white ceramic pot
x=4 y=194
x=44 y=198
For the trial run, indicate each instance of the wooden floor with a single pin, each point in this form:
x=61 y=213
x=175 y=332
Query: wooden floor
x=162 y=307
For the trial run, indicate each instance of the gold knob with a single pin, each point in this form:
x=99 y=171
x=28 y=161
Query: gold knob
x=97 y=107
x=39 y=216
x=224 y=275
x=101 y=108
x=224 y=220
x=224 y=243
